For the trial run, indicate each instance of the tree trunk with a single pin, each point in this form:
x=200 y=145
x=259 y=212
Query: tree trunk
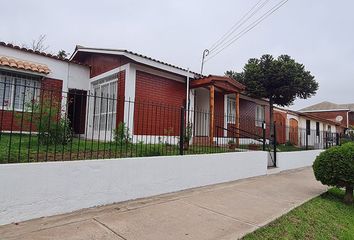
x=348 y=197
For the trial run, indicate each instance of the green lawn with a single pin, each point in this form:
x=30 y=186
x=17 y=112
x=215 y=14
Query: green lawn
x=288 y=148
x=25 y=148
x=324 y=217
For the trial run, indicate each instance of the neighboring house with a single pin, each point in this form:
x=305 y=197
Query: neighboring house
x=340 y=113
x=304 y=128
x=33 y=72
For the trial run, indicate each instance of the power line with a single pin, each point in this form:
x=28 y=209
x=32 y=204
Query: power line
x=239 y=24
x=248 y=28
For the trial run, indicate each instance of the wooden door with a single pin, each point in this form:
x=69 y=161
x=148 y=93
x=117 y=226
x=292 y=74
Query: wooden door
x=280 y=125
x=294 y=131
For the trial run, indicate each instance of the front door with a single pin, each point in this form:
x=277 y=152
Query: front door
x=280 y=127
x=201 y=114
x=104 y=110
x=294 y=132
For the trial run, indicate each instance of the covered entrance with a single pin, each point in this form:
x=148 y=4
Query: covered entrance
x=210 y=114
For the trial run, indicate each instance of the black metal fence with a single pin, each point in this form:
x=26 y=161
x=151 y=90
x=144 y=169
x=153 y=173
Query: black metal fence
x=39 y=124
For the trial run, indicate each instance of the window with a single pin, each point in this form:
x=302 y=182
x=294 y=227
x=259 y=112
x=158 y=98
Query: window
x=308 y=127
x=329 y=128
x=17 y=90
x=317 y=129
x=260 y=118
x=105 y=106
x=231 y=110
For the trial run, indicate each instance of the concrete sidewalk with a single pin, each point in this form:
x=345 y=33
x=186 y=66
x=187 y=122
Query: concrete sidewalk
x=223 y=211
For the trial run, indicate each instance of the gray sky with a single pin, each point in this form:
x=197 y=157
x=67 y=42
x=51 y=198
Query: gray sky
x=317 y=33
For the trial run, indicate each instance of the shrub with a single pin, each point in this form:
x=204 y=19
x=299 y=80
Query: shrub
x=289 y=144
x=121 y=134
x=48 y=118
x=335 y=167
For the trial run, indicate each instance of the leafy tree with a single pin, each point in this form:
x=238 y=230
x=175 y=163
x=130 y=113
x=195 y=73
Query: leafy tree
x=62 y=54
x=279 y=80
x=335 y=167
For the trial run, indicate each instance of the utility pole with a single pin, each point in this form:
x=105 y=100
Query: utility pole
x=205 y=53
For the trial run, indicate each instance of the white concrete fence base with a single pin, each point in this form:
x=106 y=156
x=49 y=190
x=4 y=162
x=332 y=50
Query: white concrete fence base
x=32 y=190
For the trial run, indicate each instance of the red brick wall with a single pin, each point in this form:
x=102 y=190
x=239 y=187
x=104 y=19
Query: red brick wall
x=351 y=119
x=157 y=105
x=248 y=117
x=332 y=116
x=12 y=121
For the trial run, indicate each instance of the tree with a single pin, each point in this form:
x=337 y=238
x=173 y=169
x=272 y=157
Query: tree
x=62 y=54
x=38 y=44
x=279 y=80
x=335 y=167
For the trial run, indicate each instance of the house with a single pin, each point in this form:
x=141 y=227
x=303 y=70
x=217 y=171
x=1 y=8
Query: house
x=341 y=113
x=24 y=74
x=216 y=105
x=305 y=129
x=104 y=87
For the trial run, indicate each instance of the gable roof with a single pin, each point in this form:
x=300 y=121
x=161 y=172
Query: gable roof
x=137 y=58
x=328 y=106
x=225 y=83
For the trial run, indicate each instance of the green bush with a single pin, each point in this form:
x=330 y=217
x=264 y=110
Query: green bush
x=335 y=167
x=121 y=134
x=48 y=118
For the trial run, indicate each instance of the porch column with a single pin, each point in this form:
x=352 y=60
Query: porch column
x=237 y=122
x=212 y=122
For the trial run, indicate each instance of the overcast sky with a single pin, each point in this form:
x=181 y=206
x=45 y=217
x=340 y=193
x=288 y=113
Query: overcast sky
x=317 y=33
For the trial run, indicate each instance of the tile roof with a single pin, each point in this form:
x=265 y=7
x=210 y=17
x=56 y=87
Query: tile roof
x=9 y=45
x=328 y=106
x=23 y=65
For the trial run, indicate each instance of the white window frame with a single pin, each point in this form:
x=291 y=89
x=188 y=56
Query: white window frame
x=260 y=115
x=112 y=93
x=12 y=78
x=231 y=110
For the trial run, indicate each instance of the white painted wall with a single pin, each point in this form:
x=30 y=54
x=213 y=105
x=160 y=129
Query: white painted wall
x=41 y=189
x=73 y=75
x=298 y=159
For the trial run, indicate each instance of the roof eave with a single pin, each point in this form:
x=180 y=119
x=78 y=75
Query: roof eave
x=139 y=59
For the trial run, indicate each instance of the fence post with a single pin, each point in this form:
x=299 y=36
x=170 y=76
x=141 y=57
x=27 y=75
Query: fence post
x=326 y=140
x=307 y=141
x=264 y=135
x=181 y=132
x=337 y=139
x=275 y=144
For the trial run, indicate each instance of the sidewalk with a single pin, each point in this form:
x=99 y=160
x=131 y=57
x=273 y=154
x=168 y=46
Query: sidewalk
x=223 y=211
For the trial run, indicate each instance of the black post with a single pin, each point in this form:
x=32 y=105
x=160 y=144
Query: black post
x=181 y=132
x=337 y=139
x=307 y=141
x=275 y=144
x=326 y=140
x=264 y=135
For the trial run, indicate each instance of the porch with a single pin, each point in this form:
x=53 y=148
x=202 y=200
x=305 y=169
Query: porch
x=216 y=109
